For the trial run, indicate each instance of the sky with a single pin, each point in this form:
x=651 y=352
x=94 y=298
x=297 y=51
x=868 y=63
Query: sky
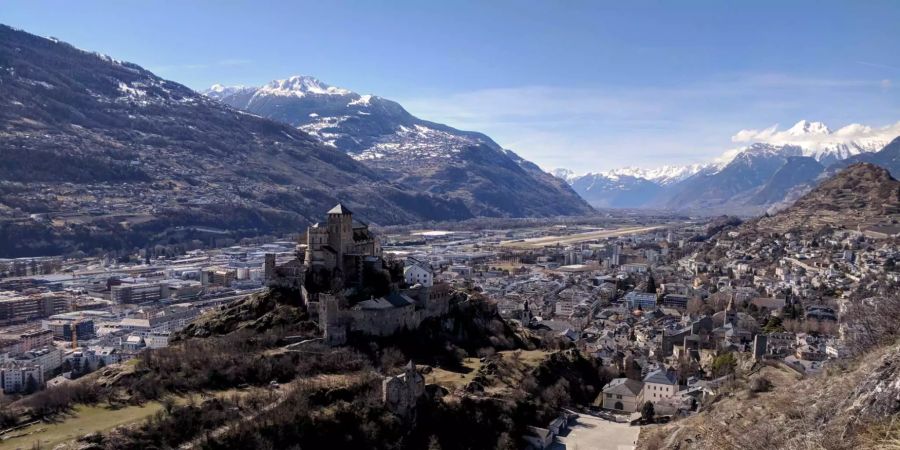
x=585 y=85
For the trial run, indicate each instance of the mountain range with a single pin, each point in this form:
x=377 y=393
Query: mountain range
x=760 y=176
x=97 y=153
x=427 y=156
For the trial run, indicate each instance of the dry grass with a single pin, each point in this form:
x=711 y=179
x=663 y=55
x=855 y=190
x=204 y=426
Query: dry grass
x=515 y=367
x=83 y=420
x=795 y=414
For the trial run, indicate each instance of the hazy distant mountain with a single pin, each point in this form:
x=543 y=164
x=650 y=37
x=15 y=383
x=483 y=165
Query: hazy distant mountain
x=627 y=187
x=731 y=184
x=428 y=156
x=614 y=191
x=888 y=157
x=777 y=167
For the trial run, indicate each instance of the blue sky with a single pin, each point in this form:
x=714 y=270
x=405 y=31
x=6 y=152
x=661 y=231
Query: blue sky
x=584 y=85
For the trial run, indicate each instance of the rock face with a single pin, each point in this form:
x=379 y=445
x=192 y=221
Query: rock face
x=430 y=157
x=878 y=394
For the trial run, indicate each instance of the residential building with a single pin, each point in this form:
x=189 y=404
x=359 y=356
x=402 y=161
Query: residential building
x=623 y=394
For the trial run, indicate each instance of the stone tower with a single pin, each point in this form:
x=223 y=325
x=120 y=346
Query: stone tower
x=316 y=237
x=400 y=393
x=270 y=266
x=340 y=231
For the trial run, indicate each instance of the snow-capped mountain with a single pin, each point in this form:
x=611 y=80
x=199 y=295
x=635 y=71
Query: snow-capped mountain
x=817 y=140
x=769 y=165
x=429 y=156
x=662 y=176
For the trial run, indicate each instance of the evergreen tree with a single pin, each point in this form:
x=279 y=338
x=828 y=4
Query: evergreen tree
x=647 y=411
x=31 y=385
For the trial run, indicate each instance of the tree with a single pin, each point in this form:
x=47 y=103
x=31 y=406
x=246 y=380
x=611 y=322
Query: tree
x=774 y=325
x=651 y=285
x=647 y=412
x=724 y=364
x=31 y=385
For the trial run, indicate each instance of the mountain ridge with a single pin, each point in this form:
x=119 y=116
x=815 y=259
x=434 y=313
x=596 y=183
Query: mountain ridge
x=432 y=157
x=752 y=180
x=149 y=156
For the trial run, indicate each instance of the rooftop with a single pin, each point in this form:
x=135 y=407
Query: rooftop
x=340 y=209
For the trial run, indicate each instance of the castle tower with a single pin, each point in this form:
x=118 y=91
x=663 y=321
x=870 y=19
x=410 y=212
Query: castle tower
x=270 y=266
x=340 y=231
x=316 y=237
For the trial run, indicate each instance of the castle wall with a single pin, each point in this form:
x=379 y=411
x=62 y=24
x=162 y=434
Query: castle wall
x=384 y=322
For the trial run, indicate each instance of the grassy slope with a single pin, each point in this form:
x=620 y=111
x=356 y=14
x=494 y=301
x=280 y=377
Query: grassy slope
x=83 y=420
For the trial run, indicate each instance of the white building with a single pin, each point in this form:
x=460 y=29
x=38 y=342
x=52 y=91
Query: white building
x=659 y=385
x=416 y=272
x=14 y=376
x=49 y=359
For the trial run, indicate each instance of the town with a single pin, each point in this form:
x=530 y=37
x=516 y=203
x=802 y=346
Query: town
x=675 y=312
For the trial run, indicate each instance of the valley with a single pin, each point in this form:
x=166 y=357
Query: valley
x=449 y=225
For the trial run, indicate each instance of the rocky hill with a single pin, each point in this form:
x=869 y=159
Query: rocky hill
x=850 y=407
x=860 y=194
x=430 y=157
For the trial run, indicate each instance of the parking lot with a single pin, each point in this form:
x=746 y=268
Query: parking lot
x=593 y=433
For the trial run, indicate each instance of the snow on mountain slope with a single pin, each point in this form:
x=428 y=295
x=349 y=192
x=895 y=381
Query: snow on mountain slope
x=739 y=172
x=661 y=175
x=427 y=156
x=818 y=141
x=365 y=126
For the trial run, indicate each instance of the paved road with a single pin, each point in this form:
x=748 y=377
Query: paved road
x=593 y=433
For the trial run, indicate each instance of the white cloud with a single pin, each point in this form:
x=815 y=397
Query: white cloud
x=604 y=127
x=754 y=135
x=816 y=134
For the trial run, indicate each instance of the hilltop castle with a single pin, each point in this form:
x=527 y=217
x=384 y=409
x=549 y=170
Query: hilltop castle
x=342 y=244
x=345 y=281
